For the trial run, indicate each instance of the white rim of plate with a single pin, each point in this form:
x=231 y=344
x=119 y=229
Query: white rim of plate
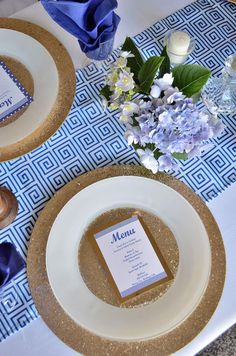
x=35 y=57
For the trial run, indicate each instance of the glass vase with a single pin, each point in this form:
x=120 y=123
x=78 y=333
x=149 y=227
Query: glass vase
x=219 y=93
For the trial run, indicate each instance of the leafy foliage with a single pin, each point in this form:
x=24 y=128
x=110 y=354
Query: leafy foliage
x=180 y=155
x=106 y=92
x=148 y=72
x=165 y=65
x=135 y=63
x=190 y=78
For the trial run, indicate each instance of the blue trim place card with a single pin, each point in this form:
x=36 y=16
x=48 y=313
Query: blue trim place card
x=132 y=257
x=13 y=96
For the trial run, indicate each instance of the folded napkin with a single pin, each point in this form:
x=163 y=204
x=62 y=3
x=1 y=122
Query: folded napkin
x=92 y=22
x=11 y=262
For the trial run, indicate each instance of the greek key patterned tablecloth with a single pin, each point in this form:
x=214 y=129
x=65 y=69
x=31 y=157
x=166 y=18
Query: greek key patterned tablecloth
x=92 y=138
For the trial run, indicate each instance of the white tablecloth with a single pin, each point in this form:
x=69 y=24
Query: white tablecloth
x=36 y=339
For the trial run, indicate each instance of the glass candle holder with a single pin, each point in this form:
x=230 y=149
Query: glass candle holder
x=102 y=52
x=8 y=207
x=219 y=93
x=179 y=45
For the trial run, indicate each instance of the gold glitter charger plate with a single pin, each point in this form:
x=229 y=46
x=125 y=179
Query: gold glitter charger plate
x=36 y=127
x=79 y=337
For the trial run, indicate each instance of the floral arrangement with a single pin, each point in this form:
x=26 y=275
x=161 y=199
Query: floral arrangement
x=157 y=104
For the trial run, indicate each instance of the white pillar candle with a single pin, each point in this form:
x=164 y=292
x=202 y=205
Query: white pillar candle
x=179 y=43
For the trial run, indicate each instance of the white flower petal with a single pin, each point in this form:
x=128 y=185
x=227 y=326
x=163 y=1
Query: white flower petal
x=126 y=54
x=125 y=81
x=121 y=62
x=140 y=152
x=155 y=91
x=126 y=119
x=148 y=160
x=165 y=82
x=104 y=103
x=129 y=108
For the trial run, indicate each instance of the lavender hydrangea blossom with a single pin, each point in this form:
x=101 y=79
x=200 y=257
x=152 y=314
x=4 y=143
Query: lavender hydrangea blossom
x=171 y=125
x=162 y=126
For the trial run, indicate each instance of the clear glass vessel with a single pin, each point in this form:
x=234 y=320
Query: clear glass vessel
x=102 y=52
x=179 y=44
x=8 y=207
x=219 y=93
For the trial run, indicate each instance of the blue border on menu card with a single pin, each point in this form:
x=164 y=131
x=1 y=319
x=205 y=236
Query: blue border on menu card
x=23 y=103
x=116 y=226
x=14 y=109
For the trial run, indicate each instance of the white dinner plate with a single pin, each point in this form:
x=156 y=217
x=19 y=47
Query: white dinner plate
x=119 y=323
x=54 y=79
x=42 y=67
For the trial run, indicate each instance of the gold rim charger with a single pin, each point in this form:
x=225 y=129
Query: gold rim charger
x=65 y=94
x=83 y=340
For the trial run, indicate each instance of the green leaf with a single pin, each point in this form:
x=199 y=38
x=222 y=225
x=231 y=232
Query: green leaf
x=105 y=91
x=157 y=154
x=165 y=65
x=136 y=146
x=190 y=78
x=148 y=72
x=136 y=62
x=179 y=155
x=130 y=46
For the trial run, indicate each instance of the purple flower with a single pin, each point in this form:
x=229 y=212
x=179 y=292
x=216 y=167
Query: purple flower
x=165 y=121
x=172 y=124
x=166 y=163
x=132 y=135
x=148 y=160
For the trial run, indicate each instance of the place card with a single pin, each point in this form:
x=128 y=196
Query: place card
x=132 y=257
x=13 y=96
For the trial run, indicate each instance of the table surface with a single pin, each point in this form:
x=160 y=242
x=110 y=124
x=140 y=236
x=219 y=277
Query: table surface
x=36 y=339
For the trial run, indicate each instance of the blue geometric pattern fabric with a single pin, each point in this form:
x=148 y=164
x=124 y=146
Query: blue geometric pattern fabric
x=91 y=138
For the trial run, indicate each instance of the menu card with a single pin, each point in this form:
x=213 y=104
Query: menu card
x=132 y=259
x=13 y=96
